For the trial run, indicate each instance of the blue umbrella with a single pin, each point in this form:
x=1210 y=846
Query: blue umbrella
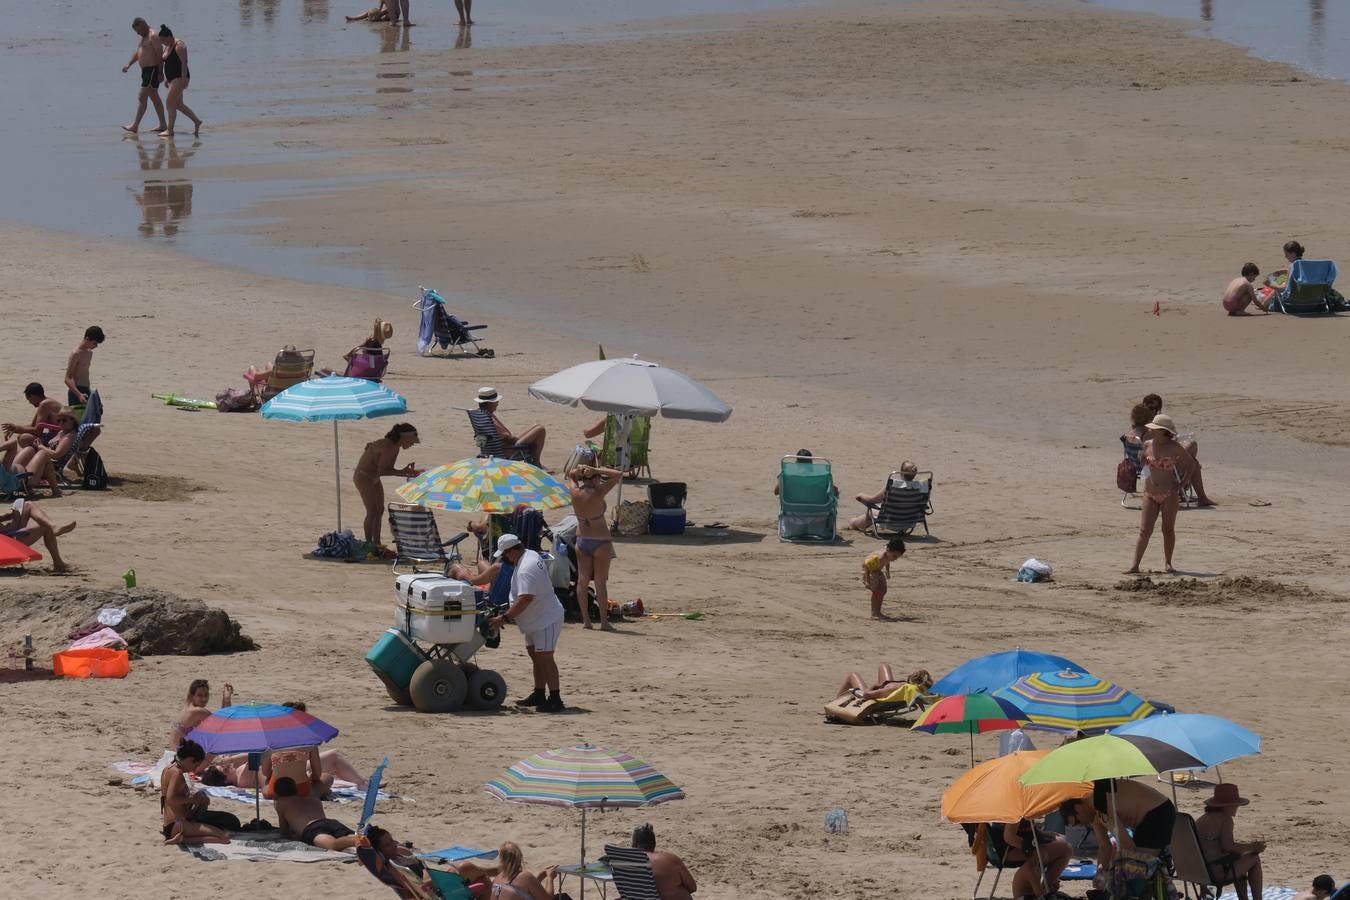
x=1211 y=739
x=331 y=399
x=998 y=670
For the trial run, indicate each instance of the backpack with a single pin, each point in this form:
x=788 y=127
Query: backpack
x=95 y=477
x=236 y=400
x=1127 y=475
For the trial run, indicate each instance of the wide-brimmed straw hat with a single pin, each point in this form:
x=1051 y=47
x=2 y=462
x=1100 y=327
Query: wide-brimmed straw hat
x=1163 y=422
x=1226 y=794
x=383 y=331
x=488 y=395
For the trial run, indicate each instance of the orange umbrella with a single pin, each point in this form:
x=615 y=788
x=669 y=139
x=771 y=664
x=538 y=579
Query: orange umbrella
x=991 y=792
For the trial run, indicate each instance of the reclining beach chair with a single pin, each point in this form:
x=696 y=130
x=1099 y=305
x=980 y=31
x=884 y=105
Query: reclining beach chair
x=406 y=883
x=489 y=441
x=903 y=508
x=807 y=503
x=291 y=367
x=1188 y=860
x=851 y=709
x=632 y=873
x=417 y=540
x=91 y=426
x=440 y=328
x=1309 y=290
x=368 y=363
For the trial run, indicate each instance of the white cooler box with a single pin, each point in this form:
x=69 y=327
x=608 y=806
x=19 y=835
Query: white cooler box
x=434 y=609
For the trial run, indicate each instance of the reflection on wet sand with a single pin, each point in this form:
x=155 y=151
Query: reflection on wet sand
x=314 y=11
x=249 y=11
x=164 y=202
x=393 y=39
x=1207 y=9
x=392 y=89
x=464 y=40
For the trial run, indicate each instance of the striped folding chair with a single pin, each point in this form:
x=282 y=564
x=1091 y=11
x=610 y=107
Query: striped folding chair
x=291 y=367
x=632 y=873
x=417 y=540
x=906 y=505
x=489 y=441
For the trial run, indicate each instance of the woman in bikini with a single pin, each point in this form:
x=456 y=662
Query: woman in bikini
x=176 y=78
x=886 y=683
x=514 y=883
x=377 y=461
x=589 y=484
x=1166 y=467
x=39 y=459
x=177 y=803
x=194 y=710
x=1221 y=849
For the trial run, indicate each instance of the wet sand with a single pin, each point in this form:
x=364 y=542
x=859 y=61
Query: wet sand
x=930 y=232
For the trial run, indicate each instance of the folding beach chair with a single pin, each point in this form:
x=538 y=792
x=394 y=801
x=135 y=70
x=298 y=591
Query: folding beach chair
x=368 y=363
x=639 y=446
x=1188 y=860
x=12 y=484
x=1309 y=290
x=988 y=851
x=408 y=884
x=441 y=329
x=489 y=441
x=91 y=426
x=417 y=540
x=291 y=367
x=632 y=873
x=807 y=503
x=905 y=506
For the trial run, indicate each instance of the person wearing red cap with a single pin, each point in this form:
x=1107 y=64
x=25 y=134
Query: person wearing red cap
x=1241 y=861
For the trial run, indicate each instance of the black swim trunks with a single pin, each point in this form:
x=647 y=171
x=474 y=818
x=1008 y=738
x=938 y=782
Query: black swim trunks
x=73 y=399
x=150 y=76
x=324 y=826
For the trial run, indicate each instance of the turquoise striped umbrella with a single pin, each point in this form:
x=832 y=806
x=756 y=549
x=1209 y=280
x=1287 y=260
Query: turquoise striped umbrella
x=586 y=777
x=332 y=399
x=1074 y=701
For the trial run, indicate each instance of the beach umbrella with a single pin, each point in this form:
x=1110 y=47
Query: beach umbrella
x=333 y=399
x=1211 y=739
x=1107 y=756
x=993 y=791
x=1074 y=701
x=486 y=485
x=998 y=670
x=13 y=553
x=584 y=777
x=969 y=714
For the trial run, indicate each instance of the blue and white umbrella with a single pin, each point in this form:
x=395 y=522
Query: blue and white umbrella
x=332 y=399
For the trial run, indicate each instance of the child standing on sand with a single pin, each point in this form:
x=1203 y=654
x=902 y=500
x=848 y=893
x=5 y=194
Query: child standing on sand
x=877 y=571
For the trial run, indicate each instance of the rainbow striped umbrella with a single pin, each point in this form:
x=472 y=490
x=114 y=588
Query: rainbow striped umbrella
x=1074 y=701
x=585 y=777
x=486 y=485
x=251 y=727
x=970 y=714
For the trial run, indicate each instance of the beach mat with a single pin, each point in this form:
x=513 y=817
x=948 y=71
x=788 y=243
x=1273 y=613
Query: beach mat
x=1270 y=893
x=267 y=846
x=457 y=853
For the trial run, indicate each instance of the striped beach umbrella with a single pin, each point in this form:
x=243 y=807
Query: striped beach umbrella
x=1074 y=701
x=486 y=485
x=333 y=399
x=251 y=727
x=584 y=777
x=970 y=714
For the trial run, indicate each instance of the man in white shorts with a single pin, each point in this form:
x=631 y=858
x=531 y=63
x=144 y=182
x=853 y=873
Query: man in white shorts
x=538 y=614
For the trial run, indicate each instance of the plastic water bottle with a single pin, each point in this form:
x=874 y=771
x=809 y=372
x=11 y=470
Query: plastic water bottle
x=836 y=822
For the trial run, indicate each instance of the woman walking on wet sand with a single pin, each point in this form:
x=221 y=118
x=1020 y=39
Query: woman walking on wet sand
x=1166 y=467
x=176 y=78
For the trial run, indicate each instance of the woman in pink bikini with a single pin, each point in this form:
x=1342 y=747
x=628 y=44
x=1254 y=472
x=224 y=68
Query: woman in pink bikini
x=595 y=548
x=1167 y=465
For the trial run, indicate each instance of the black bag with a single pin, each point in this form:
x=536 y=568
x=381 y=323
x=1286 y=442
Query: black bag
x=95 y=476
x=217 y=819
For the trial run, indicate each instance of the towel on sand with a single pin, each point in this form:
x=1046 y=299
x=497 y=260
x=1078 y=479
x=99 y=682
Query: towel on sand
x=1270 y=893
x=265 y=846
x=343 y=792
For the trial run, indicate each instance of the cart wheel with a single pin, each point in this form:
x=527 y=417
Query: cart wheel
x=487 y=689
x=437 y=686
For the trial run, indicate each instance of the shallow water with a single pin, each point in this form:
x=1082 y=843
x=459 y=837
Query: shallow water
x=1310 y=34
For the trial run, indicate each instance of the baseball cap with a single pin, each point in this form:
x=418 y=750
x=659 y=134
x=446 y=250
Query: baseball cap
x=504 y=543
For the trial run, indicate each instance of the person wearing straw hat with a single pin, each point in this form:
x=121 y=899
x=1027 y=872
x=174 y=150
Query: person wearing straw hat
x=1215 y=829
x=1167 y=466
x=531 y=438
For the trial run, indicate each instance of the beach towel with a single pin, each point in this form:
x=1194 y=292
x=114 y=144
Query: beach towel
x=267 y=846
x=457 y=853
x=1270 y=893
x=343 y=792
x=104 y=637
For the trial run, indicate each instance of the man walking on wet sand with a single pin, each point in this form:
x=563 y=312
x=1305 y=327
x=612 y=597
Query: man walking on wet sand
x=150 y=54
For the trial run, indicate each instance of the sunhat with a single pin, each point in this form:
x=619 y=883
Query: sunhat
x=383 y=330
x=1163 y=422
x=1226 y=794
x=506 y=542
x=488 y=395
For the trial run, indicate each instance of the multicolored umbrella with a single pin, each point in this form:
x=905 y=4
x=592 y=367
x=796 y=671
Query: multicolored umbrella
x=1070 y=701
x=1211 y=739
x=250 y=727
x=486 y=485
x=993 y=792
x=586 y=777
x=998 y=670
x=332 y=399
x=970 y=714
x=1107 y=756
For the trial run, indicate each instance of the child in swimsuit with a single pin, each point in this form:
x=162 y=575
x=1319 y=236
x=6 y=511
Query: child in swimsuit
x=877 y=572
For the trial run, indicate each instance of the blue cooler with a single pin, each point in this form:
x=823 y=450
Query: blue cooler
x=668 y=521
x=394 y=659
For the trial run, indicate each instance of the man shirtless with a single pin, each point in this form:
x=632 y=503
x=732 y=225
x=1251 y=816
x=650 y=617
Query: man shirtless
x=302 y=819
x=149 y=53
x=1240 y=294
x=77 y=367
x=672 y=876
x=46 y=409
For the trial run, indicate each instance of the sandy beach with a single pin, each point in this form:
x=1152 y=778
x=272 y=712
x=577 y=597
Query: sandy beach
x=927 y=231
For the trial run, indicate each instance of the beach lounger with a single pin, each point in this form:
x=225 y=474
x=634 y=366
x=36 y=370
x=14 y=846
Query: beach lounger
x=632 y=871
x=1309 y=290
x=489 y=441
x=368 y=363
x=1188 y=860
x=807 y=503
x=851 y=709
x=417 y=540
x=441 y=329
x=291 y=367
x=904 y=506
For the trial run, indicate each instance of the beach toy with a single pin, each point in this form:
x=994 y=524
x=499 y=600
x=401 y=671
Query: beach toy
x=96 y=662
x=184 y=402
x=129 y=576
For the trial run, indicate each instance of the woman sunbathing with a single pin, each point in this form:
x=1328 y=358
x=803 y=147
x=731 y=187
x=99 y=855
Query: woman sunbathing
x=886 y=683
x=404 y=856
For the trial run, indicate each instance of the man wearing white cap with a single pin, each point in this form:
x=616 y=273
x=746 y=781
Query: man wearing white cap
x=532 y=439
x=537 y=612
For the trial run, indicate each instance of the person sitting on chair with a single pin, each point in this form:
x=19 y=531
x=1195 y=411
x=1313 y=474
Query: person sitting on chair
x=1035 y=848
x=673 y=879
x=531 y=439
x=25 y=522
x=886 y=683
x=908 y=473
x=803 y=456
x=1215 y=830
x=477 y=877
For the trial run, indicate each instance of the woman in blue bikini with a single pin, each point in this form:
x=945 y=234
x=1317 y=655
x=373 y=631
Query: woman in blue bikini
x=589 y=484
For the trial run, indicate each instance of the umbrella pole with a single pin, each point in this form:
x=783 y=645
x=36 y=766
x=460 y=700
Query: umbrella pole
x=1045 y=876
x=581 y=876
x=337 y=475
x=623 y=426
x=972 y=746
x=257 y=805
